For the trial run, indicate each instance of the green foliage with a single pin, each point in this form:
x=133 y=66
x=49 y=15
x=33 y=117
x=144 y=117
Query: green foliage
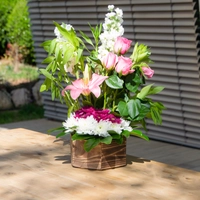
x=6 y=7
x=15 y=28
x=27 y=112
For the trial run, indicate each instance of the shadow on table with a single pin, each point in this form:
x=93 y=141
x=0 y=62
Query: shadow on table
x=132 y=159
x=66 y=159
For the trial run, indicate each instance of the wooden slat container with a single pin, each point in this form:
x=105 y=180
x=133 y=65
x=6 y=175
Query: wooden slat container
x=101 y=157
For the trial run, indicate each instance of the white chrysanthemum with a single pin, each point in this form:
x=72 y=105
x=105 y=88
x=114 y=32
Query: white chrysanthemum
x=126 y=125
x=116 y=127
x=70 y=124
x=86 y=125
x=102 y=128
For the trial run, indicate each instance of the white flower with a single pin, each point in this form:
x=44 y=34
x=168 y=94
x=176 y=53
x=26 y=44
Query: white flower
x=86 y=125
x=102 y=128
x=116 y=127
x=119 y=12
x=112 y=29
x=125 y=125
x=110 y=7
x=70 y=124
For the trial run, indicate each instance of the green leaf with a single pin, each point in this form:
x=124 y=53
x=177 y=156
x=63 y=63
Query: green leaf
x=155 y=90
x=61 y=128
x=86 y=38
x=114 y=135
x=134 y=107
x=68 y=53
x=43 y=88
x=114 y=82
x=139 y=134
x=70 y=36
x=52 y=46
x=94 y=59
x=49 y=59
x=58 y=54
x=53 y=91
x=156 y=117
x=91 y=143
x=126 y=133
x=133 y=81
x=76 y=136
x=107 y=140
x=61 y=134
x=143 y=111
x=47 y=74
x=46 y=45
x=122 y=108
x=144 y=92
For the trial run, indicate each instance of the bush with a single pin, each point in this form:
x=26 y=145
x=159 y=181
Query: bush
x=6 y=7
x=15 y=23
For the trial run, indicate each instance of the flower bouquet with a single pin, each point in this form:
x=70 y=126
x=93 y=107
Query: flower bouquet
x=103 y=88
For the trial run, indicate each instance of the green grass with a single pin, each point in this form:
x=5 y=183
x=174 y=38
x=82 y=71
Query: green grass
x=25 y=74
x=27 y=112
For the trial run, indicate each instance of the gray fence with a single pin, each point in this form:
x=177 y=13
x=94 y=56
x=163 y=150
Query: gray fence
x=167 y=26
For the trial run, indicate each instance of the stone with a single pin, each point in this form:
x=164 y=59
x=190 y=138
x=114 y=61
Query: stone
x=5 y=100
x=20 y=97
x=37 y=94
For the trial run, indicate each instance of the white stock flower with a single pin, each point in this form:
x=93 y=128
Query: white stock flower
x=110 y=7
x=112 y=29
x=119 y=12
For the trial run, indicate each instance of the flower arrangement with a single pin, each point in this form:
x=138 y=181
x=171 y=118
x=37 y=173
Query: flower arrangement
x=103 y=88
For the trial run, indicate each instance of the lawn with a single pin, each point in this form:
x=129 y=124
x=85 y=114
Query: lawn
x=27 y=112
x=25 y=74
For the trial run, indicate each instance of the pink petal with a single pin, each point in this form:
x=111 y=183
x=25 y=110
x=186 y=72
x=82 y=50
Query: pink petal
x=75 y=89
x=94 y=84
x=97 y=80
x=96 y=91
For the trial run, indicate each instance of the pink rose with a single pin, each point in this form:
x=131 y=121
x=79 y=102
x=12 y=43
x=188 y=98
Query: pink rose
x=109 y=61
x=122 y=45
x=148 y=72
x=124 y=66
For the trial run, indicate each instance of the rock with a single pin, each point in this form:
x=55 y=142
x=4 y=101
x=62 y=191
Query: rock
x=37 y=94
x=21 y=97
x=5 y=100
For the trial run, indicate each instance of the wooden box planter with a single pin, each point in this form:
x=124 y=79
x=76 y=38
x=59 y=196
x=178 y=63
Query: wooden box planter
x=101 y=157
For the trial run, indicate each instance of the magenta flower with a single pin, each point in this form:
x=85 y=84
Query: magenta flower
x=109 y=61
x=122 y=45
x=148 y=72
x=124 y=66
x=84 y=86
x=98 y=114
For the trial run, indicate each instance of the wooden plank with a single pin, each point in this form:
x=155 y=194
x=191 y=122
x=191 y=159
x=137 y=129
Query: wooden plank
x=36 y=166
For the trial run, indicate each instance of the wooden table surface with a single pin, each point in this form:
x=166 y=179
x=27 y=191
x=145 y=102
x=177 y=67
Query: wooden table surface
x=36 y=166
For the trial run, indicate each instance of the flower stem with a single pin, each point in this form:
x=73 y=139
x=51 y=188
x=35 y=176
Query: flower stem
x=113 y=105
